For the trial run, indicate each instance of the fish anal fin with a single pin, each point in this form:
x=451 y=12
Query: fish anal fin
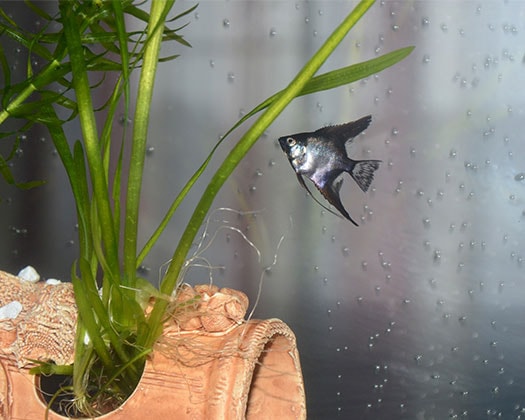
x=331 y=193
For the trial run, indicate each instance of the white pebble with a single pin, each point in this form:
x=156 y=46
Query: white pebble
x=53 y=282
x=29 y=274
x=11 y=310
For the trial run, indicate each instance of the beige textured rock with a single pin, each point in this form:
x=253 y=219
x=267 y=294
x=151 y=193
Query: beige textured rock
x=45 y=328
x=208 y=307
x=248 y=370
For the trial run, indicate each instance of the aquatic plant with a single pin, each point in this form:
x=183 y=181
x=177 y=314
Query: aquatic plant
x=86 y=45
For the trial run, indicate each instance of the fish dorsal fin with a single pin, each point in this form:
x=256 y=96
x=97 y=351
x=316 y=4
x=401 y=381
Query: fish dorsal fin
x=344 y=132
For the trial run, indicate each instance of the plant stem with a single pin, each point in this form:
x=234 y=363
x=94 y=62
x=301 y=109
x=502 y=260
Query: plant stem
x=42 y=79
x=89 y=133
x=140 y=129
x=234 y=157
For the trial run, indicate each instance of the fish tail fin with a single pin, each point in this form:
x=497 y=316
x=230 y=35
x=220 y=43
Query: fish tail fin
x=362 y=171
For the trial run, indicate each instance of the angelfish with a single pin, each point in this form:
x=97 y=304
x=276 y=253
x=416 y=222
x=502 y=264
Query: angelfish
x=321 y=156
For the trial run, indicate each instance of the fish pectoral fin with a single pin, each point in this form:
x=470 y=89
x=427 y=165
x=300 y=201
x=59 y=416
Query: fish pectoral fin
x=338 y=185
x=303 y=184
x=331 y=193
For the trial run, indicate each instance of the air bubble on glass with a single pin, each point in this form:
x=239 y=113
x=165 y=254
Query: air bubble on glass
x=143 y=270
x=124 y=121
x=18 y=231
x=226 y=23
x=398 y=188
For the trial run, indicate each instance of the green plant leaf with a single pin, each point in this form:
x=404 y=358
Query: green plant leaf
x=159 y=11
x=234 y=157
x=326 y=81
x=90 y=135
x=84 y=299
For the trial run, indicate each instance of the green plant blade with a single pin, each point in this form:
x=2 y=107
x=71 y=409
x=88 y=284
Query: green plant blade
x=319 y=83
x=159 y=11
x=234 y=157
x=90 y=135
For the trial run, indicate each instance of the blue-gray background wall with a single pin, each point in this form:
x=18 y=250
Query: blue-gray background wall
x=419 y=312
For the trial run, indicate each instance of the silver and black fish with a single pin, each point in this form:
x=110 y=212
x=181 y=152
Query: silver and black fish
x=321 y=156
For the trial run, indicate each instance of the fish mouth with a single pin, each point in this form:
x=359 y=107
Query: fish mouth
x=282 y=143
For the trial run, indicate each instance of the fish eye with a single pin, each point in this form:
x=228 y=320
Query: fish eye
x=291 y=141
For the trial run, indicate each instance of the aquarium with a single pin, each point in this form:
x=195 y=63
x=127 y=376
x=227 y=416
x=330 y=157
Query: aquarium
x=418 y=312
